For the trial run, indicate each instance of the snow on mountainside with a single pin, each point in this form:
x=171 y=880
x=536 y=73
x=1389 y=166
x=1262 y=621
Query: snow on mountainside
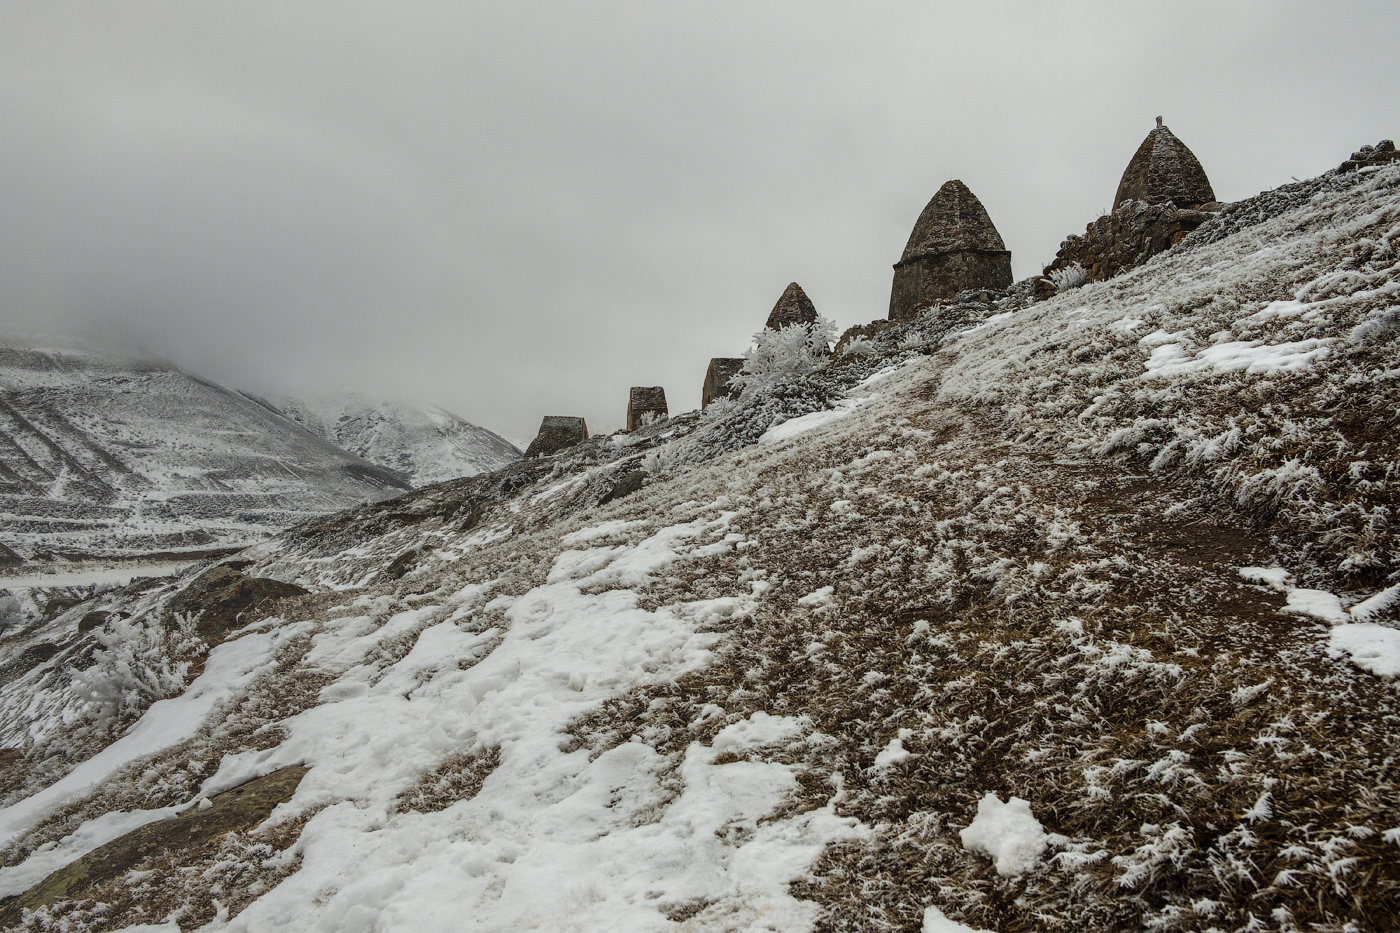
x=1082 y=615
x=421 y=442
x=103 y=455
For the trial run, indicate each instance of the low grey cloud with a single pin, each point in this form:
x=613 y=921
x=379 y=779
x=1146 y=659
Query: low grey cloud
x=521 y=209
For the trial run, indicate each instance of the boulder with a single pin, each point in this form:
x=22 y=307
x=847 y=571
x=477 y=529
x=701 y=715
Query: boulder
x=626 y=484
x=223 y=599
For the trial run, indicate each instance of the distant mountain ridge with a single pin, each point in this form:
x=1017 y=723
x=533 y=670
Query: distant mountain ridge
x=109 y=455
x=422 y=443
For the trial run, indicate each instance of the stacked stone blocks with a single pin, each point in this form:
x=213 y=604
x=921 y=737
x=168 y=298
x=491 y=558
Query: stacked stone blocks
x=954 y=247
x=556 y=433
x=646 y=405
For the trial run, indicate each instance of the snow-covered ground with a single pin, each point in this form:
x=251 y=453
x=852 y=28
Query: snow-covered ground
x=63 y=575
x=1016 y=619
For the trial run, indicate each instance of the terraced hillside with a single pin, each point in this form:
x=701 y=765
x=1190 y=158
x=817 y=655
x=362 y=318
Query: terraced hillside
x=105 y=456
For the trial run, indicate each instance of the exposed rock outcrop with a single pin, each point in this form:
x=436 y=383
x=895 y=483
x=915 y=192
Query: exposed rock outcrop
x=646 y=405
x=224 y=598
x=1379 y=154
x=954 y=246
x=556 y=433
x=198 y=829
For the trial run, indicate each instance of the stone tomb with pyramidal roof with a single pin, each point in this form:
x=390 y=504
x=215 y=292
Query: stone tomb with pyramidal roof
x=646 y=405
x=1163 y=195
x=793 y=307
x=556 y=433
x=954 y=247
x=717 y=385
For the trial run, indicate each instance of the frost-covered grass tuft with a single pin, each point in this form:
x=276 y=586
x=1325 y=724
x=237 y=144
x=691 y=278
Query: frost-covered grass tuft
x=1071 y=276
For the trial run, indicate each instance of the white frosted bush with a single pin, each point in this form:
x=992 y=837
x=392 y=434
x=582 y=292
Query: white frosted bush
x=859 y=347
x=780 y=355
x=137 y=664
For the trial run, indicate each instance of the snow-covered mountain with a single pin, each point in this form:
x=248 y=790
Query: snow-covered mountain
x=424 y=443
x=1070 y=614
x=108 y=455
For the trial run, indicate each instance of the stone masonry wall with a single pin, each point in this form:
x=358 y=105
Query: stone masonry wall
x=1126 y=238
x=920 y=282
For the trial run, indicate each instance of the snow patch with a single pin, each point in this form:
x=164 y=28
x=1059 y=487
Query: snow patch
x=758 y=730
x=894 y=752
x=1249 y=356
x=1008 y=833
x=230 y=667
x=1275 y=577
x=810 y=422
x=1370 y=646
x=936 y=922
x=1319 y=604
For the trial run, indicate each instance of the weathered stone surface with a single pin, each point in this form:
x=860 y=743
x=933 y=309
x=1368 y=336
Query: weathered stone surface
x=402 y=564
x=9 y=558
x=556 y=433
x=93 y=620
x=626 y=484
x=238 y=810
x=1379 y=154
x=1131 y=234
x=722 y=369
x=1163 y=170
x=222 y=599
x=793 y=307
x=1128 y=236
x=646 y=405
x=954 y=246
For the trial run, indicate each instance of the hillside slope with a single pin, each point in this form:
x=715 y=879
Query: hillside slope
x=1081 y=615
x=423 y=443
x=103 y=456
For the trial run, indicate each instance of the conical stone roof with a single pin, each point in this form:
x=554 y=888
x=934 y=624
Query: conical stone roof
x=1162 y=170
x=794 y=307
x=953 y=221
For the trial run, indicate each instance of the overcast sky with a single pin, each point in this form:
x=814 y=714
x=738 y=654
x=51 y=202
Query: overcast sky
x=519 y=209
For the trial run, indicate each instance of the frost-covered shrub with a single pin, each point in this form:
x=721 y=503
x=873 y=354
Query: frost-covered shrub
x=139 y=662
x=1377 y=327
x=662 y=459
x=859 y=347
x=781 y=355
x=1071 y=276
x=717 y=409
x=11 y=612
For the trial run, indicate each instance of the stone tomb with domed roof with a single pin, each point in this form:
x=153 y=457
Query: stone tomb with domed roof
x=954 y=247
x=1163 y=195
